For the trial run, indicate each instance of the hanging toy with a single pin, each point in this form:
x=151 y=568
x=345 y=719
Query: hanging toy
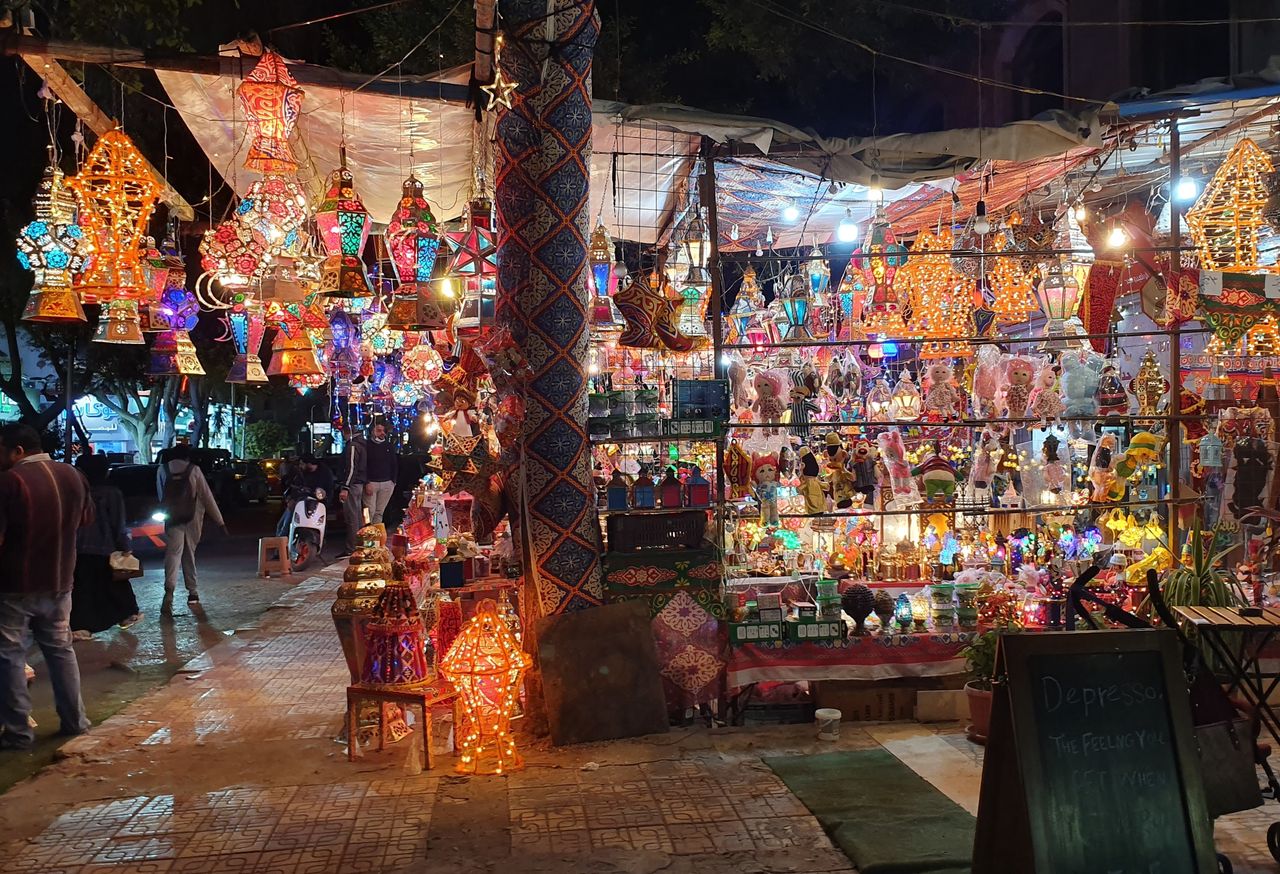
x=839 y=479
x=988 y=372
x=1101 y=473
x=1112 y=398
x=764 y=471
x=894 y=453
x=1019 y=373
x=1149 y=386
x=768 y=406
x=1044 y=402
x=942 y=398
x=1055 y=471
x=815 y=500
x=804 y=393
x=863 y=462
x=737 y=471
x=986 y=458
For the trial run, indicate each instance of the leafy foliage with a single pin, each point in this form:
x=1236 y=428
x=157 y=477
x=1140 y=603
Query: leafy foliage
x=265 y=439
x=980 y=658
x=1205 y=581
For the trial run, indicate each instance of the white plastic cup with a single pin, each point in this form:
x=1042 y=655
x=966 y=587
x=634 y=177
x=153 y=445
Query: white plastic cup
x=828 y=719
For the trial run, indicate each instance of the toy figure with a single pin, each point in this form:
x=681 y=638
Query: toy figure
x=462 y=421
x=1144 y=447
x=1019 y=373
x=815 y=500
x=864 y=473
x=1113 y=400
x=1079 y=387
x=938 y=476
x=1044 y=401
x=804 y=395
x=768 y=406
x=894 y=454
x=942 y=399
x=1055 y=472
x=836 y=377
x=1251 y=466
x=986 y=455
x=764 y=470
x=839 y=480
x=988 y=371
x=1101 y=473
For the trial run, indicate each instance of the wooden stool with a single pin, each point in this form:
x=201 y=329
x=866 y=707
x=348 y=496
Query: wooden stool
x=273 y=556
x=438 y=691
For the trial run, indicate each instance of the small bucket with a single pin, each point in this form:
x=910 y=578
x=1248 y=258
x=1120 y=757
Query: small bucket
x=828 y=719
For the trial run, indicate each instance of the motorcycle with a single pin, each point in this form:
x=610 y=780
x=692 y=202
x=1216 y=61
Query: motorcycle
x=306 y=527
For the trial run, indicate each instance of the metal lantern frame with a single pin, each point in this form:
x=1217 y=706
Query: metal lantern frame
x=54 y=248
x=344 y=226
x=272 y=102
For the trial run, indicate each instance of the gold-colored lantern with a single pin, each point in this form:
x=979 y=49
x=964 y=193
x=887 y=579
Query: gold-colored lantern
x=119 y=323
x=53 y=247
x=292 y=354
x=1225 y=220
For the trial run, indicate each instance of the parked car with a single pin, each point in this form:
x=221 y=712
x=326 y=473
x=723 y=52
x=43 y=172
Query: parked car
x=233 y=483
x=141 y=504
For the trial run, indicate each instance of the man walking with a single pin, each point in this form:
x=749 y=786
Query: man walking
x=351 y=483
x=381 y=465
x=185 y=499
x=42 y=504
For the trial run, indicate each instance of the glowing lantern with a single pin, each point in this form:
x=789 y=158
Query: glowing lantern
x=905 y=403
x=413 y=235
x=271 y=100
x=53 y=247
x=119 y=323
x=344 y=228
x=175 y=314
x=1059 y=295
x=486 y=665
x=796 y=301
x=1011 y=287
x=605 y=276
x=818 y=271
x=247 y=329
x=930 y=279
x=234 y=253
x=473 y=251
x=117 y=195
x=1224 y=222
x=878 y=259
x=275 y=207
x=292 y=354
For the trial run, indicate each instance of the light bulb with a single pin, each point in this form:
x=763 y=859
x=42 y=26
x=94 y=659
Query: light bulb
x=1185 y=190
x=847 y=230
x=981 y=224
x=791 y=214
x=1117 y=238
x=1080 y=213
x=446 y=287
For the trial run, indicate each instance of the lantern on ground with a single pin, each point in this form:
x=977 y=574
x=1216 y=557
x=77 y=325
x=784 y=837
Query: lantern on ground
x=53 y=247
x=247 y=329
x=1059 y=296
x=344 y=229
x=486 y=665
x=605 y=277
x=271 y=100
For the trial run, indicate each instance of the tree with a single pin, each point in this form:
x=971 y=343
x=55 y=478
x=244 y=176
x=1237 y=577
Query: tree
x=265 y=439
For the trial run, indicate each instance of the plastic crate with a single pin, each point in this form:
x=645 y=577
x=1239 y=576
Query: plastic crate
x=637 y=532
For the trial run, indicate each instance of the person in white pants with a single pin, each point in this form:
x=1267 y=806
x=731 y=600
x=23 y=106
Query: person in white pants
x=182 y=538
x=381 y=466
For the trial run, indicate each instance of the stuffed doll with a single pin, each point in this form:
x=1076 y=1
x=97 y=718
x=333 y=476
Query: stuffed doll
x=863 y=462
x=1019 y=373
x=815 y=500
x=1113 y=400
x=462 y=420
x=1080 y=384
x=893 y=453
x=938 y=476
x=942 y=399
x=988 y=373
x=804 y=396
x=1101 y=468
x=839 y=479
x=1055 y=471
x=986 y=456
x=1044 y=402
x=768 y=406
x=764 y=472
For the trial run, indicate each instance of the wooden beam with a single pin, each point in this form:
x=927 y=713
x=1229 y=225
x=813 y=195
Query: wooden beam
x=69 y=92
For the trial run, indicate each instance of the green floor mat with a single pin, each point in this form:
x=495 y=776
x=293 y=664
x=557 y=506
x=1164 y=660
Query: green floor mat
x=886 y=818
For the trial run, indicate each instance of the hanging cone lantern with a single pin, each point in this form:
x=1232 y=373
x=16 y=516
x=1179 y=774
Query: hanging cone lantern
x=53 y=247
x=119 y=323
x=878 y=260
x=292 y=354
x=344 y=228
x=247 y=328
x=173 y=354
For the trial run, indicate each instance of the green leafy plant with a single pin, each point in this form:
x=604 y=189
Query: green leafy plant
x=980 y=658
x=1205 y=581
x=265 y=439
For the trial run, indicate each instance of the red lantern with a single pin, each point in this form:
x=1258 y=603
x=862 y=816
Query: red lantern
x=271 y=99
x=344 y=228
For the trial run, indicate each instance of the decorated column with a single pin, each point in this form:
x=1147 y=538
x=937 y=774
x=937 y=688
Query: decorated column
x=543 y=155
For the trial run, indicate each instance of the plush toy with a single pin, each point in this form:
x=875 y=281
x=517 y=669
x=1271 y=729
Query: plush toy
x=1251 y=464
x=1080 y=383
x=764 y=471
x=938 y=476
x=737 y=374
x=815 y=500
x=1055 y=471
x=863 y=461
x=1113 y=400
x=1101 y=468
x=837 y=377
x=986 y=456
x=894 y=454
x=839 y=479
x=942 y=399
x=988 y=372
x=1044 y=401
x=804 y=395
x=768 y=406
x=1144 y=447
x=1019 y=373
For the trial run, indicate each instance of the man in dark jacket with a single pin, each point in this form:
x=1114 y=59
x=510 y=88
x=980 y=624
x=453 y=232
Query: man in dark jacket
x=382 y=463
x=42 y=504
x=351 y=482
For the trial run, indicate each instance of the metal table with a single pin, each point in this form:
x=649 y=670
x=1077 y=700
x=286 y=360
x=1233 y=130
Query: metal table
x=1238 y=643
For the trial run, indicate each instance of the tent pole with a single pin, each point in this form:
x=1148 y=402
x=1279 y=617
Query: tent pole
x=1174 y=436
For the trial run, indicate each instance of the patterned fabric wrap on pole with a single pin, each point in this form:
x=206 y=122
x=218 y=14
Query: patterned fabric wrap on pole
x=544 y=149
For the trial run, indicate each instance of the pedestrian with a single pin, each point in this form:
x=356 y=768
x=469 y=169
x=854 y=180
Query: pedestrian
x=185 y=499
x=382 y=464
x=43 y=503
x=352 y=479
x=99 y=600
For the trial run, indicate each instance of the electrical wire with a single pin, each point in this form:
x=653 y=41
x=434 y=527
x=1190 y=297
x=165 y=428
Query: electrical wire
x=953 y=18
x=335 y=16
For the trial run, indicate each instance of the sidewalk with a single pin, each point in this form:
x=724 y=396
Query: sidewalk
x=232 y=767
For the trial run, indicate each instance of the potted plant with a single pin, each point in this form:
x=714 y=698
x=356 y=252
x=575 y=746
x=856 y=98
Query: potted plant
x=1204 y=581
x=980 y=657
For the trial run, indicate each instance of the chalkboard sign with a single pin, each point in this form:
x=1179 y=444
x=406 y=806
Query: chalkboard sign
x=1091 y=765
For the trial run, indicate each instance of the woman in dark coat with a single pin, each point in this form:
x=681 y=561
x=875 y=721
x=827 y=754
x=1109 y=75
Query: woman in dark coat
x=99 y=600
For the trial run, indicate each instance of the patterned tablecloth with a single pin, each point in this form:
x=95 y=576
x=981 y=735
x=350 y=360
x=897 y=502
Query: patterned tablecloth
x=869 y=657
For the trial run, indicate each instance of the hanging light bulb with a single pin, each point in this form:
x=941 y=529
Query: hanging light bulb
x=1117 y=238
x=981 y=224
x=847 y=230
x=790 y=214
x=1185 y=190
x=1079 y=213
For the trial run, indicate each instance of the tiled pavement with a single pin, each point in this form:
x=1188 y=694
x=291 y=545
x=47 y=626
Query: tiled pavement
x=232 y=767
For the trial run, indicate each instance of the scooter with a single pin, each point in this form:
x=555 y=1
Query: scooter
x=306 y=527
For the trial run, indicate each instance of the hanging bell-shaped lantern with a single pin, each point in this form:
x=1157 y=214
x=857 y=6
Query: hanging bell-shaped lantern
x=344 y=229
x=53 y=247
x=173 y=354
x=292 y=354
x=271 y=100
x=119 y=323
x=247 y=328
x=796 y=301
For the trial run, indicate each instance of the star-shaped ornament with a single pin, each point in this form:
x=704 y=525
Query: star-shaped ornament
x=500 y=91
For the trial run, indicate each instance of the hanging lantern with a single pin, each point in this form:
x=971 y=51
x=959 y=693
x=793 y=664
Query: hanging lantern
x=271 y=100
x=747 y=307
x=292 y=354
x=117 y=194
x=473 y=251
x=275 y=207
x=905 y=403
x=1059 y=296
x=818 y=270
x=929 y=279
x=604 y=280
x=878 y=260
x=1011 y=286
x=173 y=354
x=486 y=665
x=174 y=315
x=119 y=323
x=344 y=228
x=413 y=235
x=234 y=253
x=1225 y=220
x=247 y=329
x=479 y=304
x=697 y=246
x=53 y=247
x=796 y=301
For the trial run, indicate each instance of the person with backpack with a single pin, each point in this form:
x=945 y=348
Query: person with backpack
x=185 y=499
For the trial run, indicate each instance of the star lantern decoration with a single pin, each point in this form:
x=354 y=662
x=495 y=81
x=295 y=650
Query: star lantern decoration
x=878 y=260
x=473 y=251
x=344 y=229
x=501 y=89
x=1225 y=220
x=117 y=195
x=271 y=100
x=53 y=247
x=1011 y=286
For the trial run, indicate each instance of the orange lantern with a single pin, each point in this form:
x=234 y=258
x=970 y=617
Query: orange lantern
x=486 y=665
x=1012 y=287
x=271 y=100
x=117 y=195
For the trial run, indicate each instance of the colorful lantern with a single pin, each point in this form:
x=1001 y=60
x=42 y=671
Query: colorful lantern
x=473 y=251
x=605 y=276
x=486 y=665
x=276 y=207
x=292 y=354
x=234 y=253
x=117 y=194
x=930 y=280
x=271 y=100
x=247 y=329
x=1011 y=286
x=818 y=271
x=1059 y=296
x=796 y=301
x=53 y=247
x=1225 y=220
x=413 y=234
x=175 y=314
x=119 y=323
x=344 y=228
x=878 y=260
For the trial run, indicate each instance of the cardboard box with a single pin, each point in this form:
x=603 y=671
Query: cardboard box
x=754 y=632
x=770 y=614
x=811 y=631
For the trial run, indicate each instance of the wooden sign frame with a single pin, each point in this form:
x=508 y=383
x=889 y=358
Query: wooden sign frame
x=1013 y=826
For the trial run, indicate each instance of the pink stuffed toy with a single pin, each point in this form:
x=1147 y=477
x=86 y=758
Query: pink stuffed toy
x=942 y=399
x=769 y=405
x=894 y=454
x=1045 y=401
x=1019 y=373
x=988 y=372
